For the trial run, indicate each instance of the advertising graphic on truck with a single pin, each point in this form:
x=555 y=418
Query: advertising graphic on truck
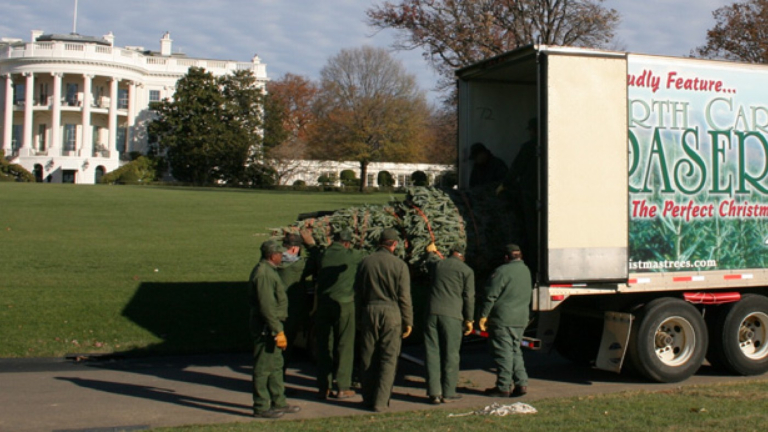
x=698 y=165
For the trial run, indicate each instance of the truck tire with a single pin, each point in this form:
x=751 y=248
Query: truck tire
x=669 y=340
x=739 y=336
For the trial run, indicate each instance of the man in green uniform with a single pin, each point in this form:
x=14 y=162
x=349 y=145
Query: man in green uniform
x=383 y=296
x=269 y=308
x=504 y=312
x=451 y=302
x=292 y=272
x=335 y=315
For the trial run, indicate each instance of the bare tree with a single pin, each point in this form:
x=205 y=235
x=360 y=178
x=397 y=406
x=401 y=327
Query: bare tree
x=456 y=33
x=368 y=109
x=740 y=33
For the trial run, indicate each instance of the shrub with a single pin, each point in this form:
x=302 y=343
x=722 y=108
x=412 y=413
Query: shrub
x=348 y=178
x=141 y=170
x=385 y=179
x=419 y=178
x=14 y=172
x=299 y=183
x=258 y=175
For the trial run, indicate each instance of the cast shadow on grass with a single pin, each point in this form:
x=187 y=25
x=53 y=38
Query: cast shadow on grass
x=161 y=395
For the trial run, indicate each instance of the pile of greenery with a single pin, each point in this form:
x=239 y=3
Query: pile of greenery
x=476 y=220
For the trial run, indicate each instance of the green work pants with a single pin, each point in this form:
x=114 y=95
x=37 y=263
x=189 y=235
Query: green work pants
x=268 y=387
x=508 y=355
x=335 y=329
x=381 y=336
x=442 y=340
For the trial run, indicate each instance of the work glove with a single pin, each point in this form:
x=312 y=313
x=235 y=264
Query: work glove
x=280 y=341
x=407 y=331
x=431 y=247
x=482 y=322
x=468 y=327
x=500 y=189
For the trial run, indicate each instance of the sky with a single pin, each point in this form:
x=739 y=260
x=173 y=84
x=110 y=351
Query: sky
x=299 y=36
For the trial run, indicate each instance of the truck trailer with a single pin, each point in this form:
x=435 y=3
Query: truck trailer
x=647 y=204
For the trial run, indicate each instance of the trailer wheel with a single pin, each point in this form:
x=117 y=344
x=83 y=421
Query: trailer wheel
x=668 y=341
x=739 y=336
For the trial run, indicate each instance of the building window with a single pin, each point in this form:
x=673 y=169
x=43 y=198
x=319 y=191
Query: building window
x=403 y=180
x=19 y=91
x=72 y=94
x=154 y=95
x=122 y=99
x=42 y=143
x=370 y=180
x=43 y=96
x=122 y=137
x=16 y=137
x=70 y=137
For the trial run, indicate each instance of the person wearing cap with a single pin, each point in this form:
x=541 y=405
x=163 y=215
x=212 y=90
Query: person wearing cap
x=269 y=308
x=451 y=302
x=385 y=311
x=293 y=273
x=504 y=314
x=334 y=272
x=487 y=168
x=520 y=188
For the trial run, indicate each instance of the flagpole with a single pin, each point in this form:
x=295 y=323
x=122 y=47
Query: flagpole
x=74 y=20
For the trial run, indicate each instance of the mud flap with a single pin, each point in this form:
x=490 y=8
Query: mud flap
x=613 y=344
x=546 y=330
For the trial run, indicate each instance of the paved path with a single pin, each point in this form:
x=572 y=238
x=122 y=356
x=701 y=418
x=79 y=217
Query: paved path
x=135 y=394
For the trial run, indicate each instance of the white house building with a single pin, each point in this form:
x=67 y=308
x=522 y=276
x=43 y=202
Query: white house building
x=73 y=107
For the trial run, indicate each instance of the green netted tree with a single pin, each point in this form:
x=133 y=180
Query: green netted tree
x=13 y=172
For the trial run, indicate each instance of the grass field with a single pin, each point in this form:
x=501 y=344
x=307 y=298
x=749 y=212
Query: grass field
x=733 y=407
x=100 y=269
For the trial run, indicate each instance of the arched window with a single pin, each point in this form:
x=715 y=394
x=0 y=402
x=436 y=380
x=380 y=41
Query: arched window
x=100 y=170
x=38 y=171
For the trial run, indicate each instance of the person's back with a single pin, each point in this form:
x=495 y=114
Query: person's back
x=336 y=274
x=511 y=304
x=382 y=277
x=448 y=296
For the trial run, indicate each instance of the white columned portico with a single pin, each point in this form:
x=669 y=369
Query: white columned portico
x=56 y=115
x=8 y=117
x=86 y=147
x=113 y=118
x=29 y=101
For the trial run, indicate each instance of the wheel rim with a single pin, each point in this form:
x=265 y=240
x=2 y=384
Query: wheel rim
x=675 y=341
x=753 y=336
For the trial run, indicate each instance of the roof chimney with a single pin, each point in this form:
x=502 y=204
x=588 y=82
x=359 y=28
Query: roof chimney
x=36 y=34
x=109 y=37
x=165 y=44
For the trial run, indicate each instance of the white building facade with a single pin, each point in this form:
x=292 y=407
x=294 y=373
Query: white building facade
x=74 y=107
x=310 y=171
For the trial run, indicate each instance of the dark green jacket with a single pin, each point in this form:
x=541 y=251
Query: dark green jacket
x=335 y=274
x=384 y=279
x=294 y=278
x=452 y=291
x=266 y=296
x=508 y=295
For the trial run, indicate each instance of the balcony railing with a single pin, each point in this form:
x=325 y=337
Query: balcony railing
x=93 y=52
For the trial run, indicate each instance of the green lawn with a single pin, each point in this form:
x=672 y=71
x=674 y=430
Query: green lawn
x=722 y=407
x=87 y=269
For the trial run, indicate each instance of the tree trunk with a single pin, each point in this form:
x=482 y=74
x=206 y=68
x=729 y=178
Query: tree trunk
x=363 y=175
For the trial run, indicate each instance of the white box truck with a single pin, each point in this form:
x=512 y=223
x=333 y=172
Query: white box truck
x=651 y=202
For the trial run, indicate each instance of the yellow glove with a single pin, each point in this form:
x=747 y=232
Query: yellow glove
x=281 y=341
x=431 y=247
x=482 y=325
x=468 y=327
x=500 y=189
x=407 y=331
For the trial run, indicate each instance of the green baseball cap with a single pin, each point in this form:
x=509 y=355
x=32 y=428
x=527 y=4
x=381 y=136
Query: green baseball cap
x=508 y=249
x=270 y=247
x=390 y=234
x=344 y=235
